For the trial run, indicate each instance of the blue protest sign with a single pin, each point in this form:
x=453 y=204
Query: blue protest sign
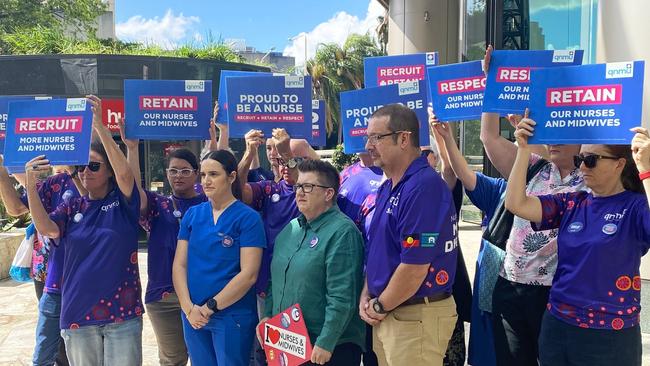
x=222 y=116
x=318 y=132
x=386 y=70
x=4 y=113
x=508 y=79
x=456 y=90
x=60 y=129
x=168 y=109
x=358 y=105
x=590 y=104
x=268 y=102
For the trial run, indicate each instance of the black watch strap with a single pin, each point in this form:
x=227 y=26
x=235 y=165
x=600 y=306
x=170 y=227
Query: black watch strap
x=212 y=304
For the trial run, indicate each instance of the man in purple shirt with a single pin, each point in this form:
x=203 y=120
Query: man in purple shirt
x=413 y=247
x=357 y=182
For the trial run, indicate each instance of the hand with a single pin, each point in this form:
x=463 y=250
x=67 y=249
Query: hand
x=524 y=130
x=196 y=319
x=257 y=329
x=205 y=311
x=514 y=119
x=641 y=149
x=282 y=141
x=487 y=58
x=97 y=111
x=212 y=144
x=131 y=144
x=320 y=356
x=1 y=160
x=372 y=314
x=36 y=167
x=215 y=111
x=364 y=307
x=254 y=139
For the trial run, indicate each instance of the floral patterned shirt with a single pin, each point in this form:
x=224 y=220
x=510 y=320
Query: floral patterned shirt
x=531 y=256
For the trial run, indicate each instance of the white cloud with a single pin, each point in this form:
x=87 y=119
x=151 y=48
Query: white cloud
x=556 y=5
x=165 y=31
x=334 y=30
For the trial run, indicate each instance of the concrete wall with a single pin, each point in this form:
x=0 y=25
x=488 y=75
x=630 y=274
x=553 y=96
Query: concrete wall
x=424 y=26
x=622 y=35
x=9 y=243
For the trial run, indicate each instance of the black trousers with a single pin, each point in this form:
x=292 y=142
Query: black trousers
x=517 y=312
x=562 y=344
x=346 y=354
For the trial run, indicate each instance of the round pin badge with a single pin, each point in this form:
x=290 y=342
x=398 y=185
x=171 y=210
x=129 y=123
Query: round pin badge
x=295 y=314
x=78 y=217
x=275 y=197
x=177 y=214
x=313 y=242
x=610 y=229
x=575 y=227
x=227 y=241
x=285 y=320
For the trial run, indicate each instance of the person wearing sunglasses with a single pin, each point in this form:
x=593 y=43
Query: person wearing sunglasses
x=217 y=262
x=101 y=306
x=593 y=310
x=320 y=254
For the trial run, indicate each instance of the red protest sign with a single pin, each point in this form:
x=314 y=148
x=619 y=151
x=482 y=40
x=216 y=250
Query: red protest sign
x=112 y=109
x=285 y=338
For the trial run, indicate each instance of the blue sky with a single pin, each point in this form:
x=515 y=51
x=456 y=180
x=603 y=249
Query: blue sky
x=263 y=24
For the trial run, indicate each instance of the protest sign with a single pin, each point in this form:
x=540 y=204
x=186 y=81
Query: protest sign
x=508 y=79
x=268 y=102
x=168 y=109
x=222 y=116
x=358 y=105
x=387 y=70
x=112 y=112
x=4 y=113
x=318 y=132
x=590 y=104
x=285 y=338
x=456 y=90
x=60 y=129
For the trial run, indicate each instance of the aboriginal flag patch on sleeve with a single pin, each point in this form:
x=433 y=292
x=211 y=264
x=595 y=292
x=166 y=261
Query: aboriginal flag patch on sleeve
x=411 y=241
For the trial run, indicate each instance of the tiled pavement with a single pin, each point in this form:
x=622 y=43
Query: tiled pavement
x=18 y=311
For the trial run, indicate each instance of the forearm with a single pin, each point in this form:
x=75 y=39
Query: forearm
x=236 y=288
x=459 y=164
x=44 y=225
x=118 y=161
x=517 y=202
x=9 y=196
x=256 y=161
x=404 y=283
x=224 y=136
x=179 y=279
x=499 y=150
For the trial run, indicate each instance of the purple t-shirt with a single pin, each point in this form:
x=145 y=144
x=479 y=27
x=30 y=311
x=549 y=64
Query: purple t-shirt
x=600 y=244
x=277 y=205
x=162 y=220
x=53 y=191
x=414 y=222
x=357 y=182
x=101 y=283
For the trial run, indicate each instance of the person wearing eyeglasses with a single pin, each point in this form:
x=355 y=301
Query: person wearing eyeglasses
x=318 y=263
x=413 y=247
x=217 y=262
x=593 y=310
x=101 y=305
x=161 y=216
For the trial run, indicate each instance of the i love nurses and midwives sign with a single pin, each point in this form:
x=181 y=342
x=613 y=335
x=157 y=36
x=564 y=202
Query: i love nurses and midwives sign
x=285 y=338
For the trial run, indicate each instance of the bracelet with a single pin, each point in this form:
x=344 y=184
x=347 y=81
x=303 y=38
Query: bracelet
x=644 y=175
x=190 y=312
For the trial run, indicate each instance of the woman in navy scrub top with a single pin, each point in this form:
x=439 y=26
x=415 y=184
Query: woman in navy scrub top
x=101 y=310
x=592 y=317
x=217 y=261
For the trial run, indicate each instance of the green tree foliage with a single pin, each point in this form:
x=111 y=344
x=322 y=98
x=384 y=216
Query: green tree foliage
x=335 y=69
x=340 y=159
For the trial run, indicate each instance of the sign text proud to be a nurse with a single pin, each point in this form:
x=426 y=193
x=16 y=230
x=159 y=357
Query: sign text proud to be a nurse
x=590 y=104
x=60 y=129
x=168 y=109
x=508 y=79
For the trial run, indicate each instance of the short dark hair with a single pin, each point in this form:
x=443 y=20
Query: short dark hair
x=98 y=147
x=630 y=174
x=184 y=154
x=325 y=171
x=400 y=118
x=229 y=163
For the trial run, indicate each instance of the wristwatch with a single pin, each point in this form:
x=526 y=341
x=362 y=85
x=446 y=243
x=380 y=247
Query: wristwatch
x=293 y=162
x=212 y=305
x=378 y=307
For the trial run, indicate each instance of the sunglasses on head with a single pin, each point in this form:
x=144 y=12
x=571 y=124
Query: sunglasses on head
x=93 y=166
x=590 y=160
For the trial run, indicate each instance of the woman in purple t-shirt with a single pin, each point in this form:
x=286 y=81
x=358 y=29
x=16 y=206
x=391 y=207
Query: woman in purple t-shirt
x=101 y=307
x=594 y=305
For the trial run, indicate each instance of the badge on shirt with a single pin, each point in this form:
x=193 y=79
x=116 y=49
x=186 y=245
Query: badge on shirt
x=177 y=214
x=411 y=241
x=313 y=242
x=78 y=217
x=575 y=227
x=275 y=198
x=295 y=314
x=610 y=229
x=227 y=241
x=429 y=240
x=285 y=320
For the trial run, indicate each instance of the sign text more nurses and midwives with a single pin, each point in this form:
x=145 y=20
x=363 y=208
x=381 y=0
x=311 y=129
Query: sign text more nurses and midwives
x=268 y=102
x=508 y=78
x=590 y=104
x=168 y=109
x=59 y=129
x=388 y=70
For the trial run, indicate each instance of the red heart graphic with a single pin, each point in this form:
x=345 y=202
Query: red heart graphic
x=273 y=335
